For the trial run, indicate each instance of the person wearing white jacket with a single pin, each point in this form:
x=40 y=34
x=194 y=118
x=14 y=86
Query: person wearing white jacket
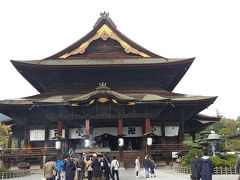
x=137 y=166
x=114 y=168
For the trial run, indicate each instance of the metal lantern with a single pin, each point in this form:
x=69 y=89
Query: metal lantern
x=87 y=143
x=58 y=144
x=212 y=139
x=149 y=141
x=120 y=142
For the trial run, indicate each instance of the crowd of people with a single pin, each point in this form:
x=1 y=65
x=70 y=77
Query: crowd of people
x=76 y=168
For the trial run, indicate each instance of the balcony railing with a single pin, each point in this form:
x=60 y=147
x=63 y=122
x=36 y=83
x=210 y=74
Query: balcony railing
x=28 y=151
x=157 y=148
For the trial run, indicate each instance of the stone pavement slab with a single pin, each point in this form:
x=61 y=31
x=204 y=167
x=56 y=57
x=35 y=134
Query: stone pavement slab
x=129 y=174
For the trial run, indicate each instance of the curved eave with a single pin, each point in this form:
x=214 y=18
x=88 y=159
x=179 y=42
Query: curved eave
x=198 y=100
x=136 y=62
x=92 y=32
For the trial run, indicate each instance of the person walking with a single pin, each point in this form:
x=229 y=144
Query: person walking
x=63 y=173
x=238 y=166
x=206 y=167
x=70 y=170
x=88 y=168
x=59 y=165
x=114 y=168
x=195 y=167
x=146 y=166
x=48 y=169
x=137 y=166
x=152 y=168
x=80 y=165
x=96 y=168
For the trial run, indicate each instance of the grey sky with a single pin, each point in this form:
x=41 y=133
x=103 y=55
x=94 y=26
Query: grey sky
x=207 y=30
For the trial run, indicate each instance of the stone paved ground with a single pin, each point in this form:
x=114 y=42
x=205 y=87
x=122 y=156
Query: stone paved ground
x=162 y=174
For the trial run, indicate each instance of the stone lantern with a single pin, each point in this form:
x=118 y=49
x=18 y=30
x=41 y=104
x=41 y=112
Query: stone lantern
x=212 y=139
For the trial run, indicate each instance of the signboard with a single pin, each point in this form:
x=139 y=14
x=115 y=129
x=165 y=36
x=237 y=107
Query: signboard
x=77 y=133
x=37 y=135
x=171 y=131
x=53 y=133
x=132 y=131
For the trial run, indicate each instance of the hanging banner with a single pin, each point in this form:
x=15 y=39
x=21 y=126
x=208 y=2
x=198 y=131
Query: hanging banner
x=105 y=130
x=53 y=133
x=132 y=131
x=77 y=133
x=37 y=135
x=171 y=131
x=156 y=130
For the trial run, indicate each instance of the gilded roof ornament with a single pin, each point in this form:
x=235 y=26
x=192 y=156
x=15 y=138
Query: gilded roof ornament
x=105 y=15
x=102 y=86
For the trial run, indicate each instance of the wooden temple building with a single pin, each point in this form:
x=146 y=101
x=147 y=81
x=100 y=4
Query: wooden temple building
x=102 y=88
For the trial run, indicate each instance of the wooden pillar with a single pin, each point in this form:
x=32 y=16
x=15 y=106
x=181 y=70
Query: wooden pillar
x=46 y=138
x=181 y=129
x=147 y=125
x=120 y=126
x=10 y=141
x=120 y=132
x=25 y=137
x=66 y=139
x=59 y=127
x=163 y=138
x=18 y=142
x=87 y=125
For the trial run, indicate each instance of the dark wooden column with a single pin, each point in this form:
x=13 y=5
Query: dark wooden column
x=10 y=141
x=19 y=142
x=163 y=137
x=59 y=127
x=25 y=140
x=120 y=133
x=66 y=138
x=46 y=137
x=181 y=129
x=147 y=131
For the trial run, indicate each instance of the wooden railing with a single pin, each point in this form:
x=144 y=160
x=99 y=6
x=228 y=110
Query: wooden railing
x=28 y=151
x=14 y=174
x=156 y=148
x=216 y=170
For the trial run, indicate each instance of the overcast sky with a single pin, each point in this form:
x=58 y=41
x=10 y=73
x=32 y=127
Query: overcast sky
x=206 y=29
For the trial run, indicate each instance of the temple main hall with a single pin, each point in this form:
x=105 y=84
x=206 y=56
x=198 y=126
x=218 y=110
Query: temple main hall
x=103 y=93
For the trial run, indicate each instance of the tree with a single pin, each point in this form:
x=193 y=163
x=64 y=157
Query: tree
x=5 y=132
x=225 y=131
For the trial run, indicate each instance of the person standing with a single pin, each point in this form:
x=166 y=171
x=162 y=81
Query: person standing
x=96 y=168
x=63 y=174
x=70 y=170
x=238 y=166
x=106 y=168
x=195 y=167
x=48 y=169
x=137 y=166
x=114 y=168
x=206 y=167
x=152 y=167
x=59 y=165
x=88 y=168
x=80 y=165
x=146 y=166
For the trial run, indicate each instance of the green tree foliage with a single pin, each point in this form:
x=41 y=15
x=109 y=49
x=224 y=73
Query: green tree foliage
x=5 y=132
x=224 y=160
x=225 y=131
x=186 y=158
x=233 y=145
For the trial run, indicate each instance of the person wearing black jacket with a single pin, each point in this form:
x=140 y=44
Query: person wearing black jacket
x=70 y=170
x=106 y=168
x=147 y=165
x=96 y=168
x=195 y=168
x=80 y=165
